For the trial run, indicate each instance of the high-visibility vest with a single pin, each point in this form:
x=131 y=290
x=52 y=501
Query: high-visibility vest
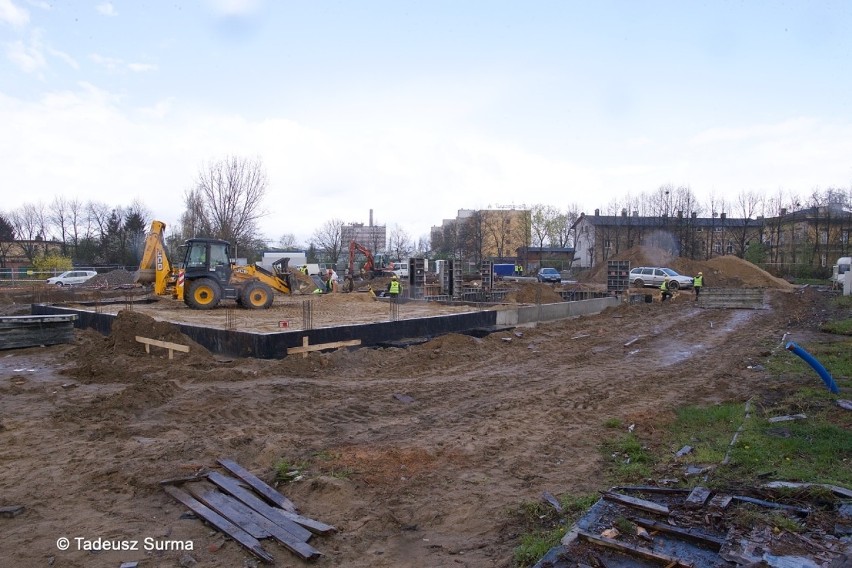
x=664 y=286
x=394 y=287
x=698 y=281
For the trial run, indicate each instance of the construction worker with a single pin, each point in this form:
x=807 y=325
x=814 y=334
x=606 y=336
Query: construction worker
x=394 y=287
x=304 y=269
x=697 y=283
x=664 y=290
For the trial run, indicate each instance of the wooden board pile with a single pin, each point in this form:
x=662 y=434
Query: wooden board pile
x=247 y=510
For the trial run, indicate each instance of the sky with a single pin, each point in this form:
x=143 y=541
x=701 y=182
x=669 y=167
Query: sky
x=416 y=109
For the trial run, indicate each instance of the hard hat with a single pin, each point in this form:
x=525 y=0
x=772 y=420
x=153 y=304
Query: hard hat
x=667 y=278
x=700 y=273
x=394 y=277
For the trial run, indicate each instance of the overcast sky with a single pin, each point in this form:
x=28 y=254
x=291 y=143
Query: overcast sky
x=418 y=109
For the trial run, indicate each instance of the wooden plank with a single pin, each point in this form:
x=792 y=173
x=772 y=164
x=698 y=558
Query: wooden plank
x=839 y=491
x=257 y=484
x=771 y=505
x=165 y=344
x=720 y=501
x=232 y=486
x=227 y=506
x=221 y=523
x=712 y=542
x=697 y=497
x=239 y=518
x=643 y=504
x=12 y=511
x=629 y=549
x=305 y=348
x=651 y=489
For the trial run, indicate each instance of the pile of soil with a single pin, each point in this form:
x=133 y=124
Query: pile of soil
x=113 y=278
x=533 y=293
x=719 y=272
x=95 y=356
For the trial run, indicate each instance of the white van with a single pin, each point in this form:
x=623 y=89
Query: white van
x=400 y=269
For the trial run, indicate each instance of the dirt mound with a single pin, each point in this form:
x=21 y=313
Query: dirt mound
x=119 y=277
x=719 y=272
x=533 y=293
x=95 y=356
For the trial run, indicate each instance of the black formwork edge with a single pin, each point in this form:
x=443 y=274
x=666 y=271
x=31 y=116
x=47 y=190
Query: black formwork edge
x=274 y=345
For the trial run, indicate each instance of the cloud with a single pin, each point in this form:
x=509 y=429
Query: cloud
x=29 y=58
x=142 y=67
x=107 y=9
x=13 y=15
x=234 y=7
x=116 y=64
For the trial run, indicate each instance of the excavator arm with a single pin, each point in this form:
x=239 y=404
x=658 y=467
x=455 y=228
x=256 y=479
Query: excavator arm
x=357 y=247
x=155 y=266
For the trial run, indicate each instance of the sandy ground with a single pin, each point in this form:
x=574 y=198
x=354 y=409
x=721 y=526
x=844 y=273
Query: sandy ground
x=88 y=430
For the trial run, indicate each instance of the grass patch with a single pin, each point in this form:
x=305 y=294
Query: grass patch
x=287 y=471
x=627 y=458
x=839 y=327
x=612 y=423
x=545 y=527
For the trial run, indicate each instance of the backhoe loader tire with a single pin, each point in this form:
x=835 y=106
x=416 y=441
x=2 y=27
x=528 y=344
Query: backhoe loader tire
x=256 y=296
x=203 y=294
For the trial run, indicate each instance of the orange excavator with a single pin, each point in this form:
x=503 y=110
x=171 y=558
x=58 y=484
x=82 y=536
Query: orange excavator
x=369 y=266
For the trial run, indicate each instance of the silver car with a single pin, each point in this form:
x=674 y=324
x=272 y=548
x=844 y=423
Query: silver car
x=654 y=275
x=72 y=277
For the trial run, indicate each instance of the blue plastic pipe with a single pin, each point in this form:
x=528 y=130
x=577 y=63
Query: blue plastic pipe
x=817 y=366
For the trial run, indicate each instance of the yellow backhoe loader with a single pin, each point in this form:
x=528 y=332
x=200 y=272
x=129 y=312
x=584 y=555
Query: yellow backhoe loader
x=206 y=276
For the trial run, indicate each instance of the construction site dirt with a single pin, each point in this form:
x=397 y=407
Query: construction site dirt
x=418 y=455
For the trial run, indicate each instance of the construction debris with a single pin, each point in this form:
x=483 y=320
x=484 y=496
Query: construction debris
x=248 y=515
x=693 y=530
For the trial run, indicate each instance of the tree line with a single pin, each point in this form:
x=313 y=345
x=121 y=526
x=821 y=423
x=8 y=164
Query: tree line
x=225 y=201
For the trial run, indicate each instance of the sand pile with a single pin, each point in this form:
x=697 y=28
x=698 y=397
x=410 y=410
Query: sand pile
x=97 y=357
x=719 y=272
x=533 y=293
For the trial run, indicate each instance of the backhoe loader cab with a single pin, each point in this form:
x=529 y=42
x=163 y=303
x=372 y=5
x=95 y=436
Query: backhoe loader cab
x=208 y=277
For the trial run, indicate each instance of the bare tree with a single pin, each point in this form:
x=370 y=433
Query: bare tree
x=59 y=215
x=328 y=240
x=421 y=248
x=288 y=241
x=29 y=222
x=541 y=223
x=748 y=204
x=7 y=238
x=497 y=224
x=399 y=243
x=230 y=193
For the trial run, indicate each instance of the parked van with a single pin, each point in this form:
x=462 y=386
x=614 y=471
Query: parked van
x=841 y=271
x=400 y=269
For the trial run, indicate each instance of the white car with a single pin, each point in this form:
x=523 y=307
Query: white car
x=654 y=275
x=72 y=277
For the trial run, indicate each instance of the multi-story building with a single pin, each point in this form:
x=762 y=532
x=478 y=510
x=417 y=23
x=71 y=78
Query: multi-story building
x=484 y=234
x=812 y=238
x=374 y=237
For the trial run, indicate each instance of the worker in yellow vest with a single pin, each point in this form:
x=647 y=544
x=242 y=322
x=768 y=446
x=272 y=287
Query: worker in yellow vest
x=394 y=287
x=664 y=290
x=697 y=283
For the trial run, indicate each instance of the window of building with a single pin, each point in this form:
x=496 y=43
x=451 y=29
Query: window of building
x=730 y=248
x=823 y=260
x=844 y=237
x=717 y=248
x=823 y=237
x=717 y=229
